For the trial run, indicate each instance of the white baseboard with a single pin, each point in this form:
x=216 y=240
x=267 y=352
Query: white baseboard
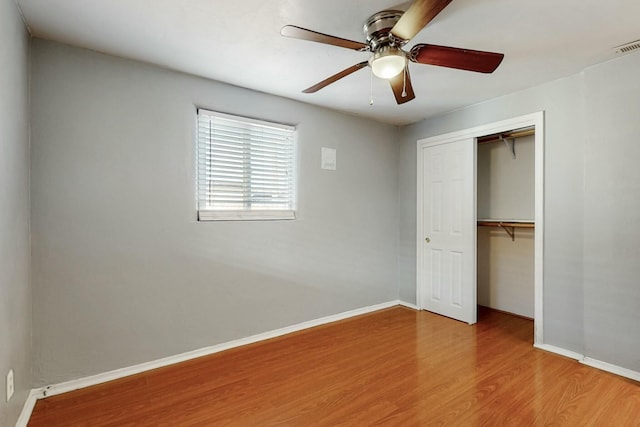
x=409 y=305
x=559 y=350
x=67 y=386
x=614 y=369
x=27 y=409
x=594 y=363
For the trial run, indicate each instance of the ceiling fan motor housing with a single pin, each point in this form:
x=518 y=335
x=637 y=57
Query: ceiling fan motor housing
x=377 y=29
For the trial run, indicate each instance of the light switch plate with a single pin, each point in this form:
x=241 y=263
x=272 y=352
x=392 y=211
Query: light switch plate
x=328 y=156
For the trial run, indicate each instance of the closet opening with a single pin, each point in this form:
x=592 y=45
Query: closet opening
x=506 y=225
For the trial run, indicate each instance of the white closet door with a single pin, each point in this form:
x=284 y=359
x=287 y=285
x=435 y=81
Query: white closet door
x=449 y=225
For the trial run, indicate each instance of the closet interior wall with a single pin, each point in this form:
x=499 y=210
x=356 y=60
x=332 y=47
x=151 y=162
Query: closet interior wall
x=506 y=192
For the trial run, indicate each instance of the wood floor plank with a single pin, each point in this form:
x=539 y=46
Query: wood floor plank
x=395 y=367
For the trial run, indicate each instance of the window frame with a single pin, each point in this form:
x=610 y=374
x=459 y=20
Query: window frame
x=246 y=213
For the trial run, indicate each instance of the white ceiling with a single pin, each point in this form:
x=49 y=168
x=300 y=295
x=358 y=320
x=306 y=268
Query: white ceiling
x=239 y=42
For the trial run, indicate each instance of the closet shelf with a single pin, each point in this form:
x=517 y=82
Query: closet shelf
x=518 y=133
x=508 y=226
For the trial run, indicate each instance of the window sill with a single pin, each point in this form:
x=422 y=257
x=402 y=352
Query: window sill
x=266 y=215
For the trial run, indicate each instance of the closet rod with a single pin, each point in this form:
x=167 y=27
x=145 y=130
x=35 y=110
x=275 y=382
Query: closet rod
x=508 y=226
x=518 y=133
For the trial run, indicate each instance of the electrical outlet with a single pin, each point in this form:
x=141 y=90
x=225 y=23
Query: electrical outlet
x=9 y=384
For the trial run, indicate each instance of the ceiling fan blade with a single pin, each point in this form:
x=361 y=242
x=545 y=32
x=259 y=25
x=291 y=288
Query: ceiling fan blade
x=419 y=14
x=314 y=36
x=402 y=88
x=453 y=57
x=336 y=77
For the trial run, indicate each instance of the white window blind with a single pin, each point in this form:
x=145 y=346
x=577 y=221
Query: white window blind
x=245 y=168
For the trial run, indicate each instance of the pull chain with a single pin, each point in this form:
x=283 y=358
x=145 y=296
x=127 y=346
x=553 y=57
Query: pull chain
x=371 y=88
x=404 y=82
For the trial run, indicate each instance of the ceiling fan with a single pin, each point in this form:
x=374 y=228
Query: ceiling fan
x=386 y=32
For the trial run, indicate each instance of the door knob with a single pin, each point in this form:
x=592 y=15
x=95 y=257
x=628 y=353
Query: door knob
x=428 y=240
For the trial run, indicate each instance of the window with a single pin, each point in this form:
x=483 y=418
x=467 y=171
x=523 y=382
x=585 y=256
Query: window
x=245 y=168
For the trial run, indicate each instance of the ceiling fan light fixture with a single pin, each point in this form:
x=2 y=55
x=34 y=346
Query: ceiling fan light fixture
x=388 y=62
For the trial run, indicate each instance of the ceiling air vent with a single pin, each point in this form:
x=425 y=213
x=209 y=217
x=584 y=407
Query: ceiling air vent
x=626 y=48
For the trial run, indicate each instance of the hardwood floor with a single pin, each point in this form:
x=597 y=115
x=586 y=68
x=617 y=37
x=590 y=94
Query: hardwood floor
x=393 y=367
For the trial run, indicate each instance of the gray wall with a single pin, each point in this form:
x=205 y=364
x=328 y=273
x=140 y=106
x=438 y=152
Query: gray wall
x=15 y=293
x=505 y=270
x=612 y=213
x=592 y=193
x=122 y=272
x=506 y=186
